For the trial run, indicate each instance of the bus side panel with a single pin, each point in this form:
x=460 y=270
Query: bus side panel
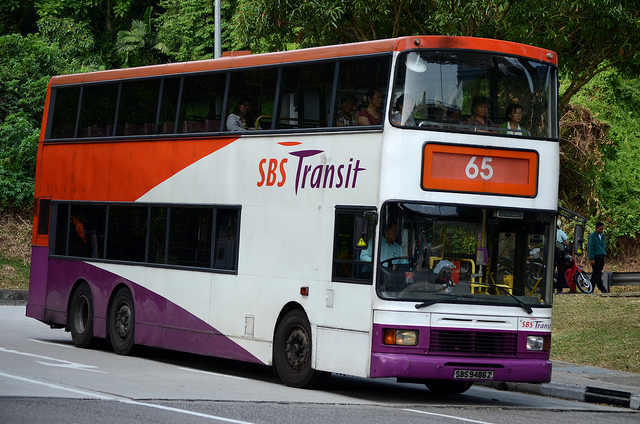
x=38 y=282
x=159 y=322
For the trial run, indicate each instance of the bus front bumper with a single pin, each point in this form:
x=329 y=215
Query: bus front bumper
x=422 y=367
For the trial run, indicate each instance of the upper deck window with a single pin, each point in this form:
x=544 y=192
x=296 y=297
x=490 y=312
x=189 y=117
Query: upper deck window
x=475 y=92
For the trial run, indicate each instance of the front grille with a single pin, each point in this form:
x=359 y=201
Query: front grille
x=475 y=343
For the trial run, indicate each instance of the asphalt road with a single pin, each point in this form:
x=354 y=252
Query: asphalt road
x=45 y=379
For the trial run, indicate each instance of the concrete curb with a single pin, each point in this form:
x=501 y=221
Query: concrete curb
x=573 y=392
x=13 y=297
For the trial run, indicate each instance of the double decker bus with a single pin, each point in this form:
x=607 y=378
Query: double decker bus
x=419 y=247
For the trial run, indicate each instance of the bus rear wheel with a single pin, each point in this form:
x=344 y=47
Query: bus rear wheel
x=292 y=352
x=122 y=323
x=81 y=317
x=448 y=387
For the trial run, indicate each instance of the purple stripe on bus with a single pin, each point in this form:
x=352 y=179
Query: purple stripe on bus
x=159 y=322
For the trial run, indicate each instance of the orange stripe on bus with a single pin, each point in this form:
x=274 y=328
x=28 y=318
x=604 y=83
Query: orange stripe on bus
x=315 y=53
x=117 y=171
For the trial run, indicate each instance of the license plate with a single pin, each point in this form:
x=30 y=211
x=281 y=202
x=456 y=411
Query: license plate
x=473 y=374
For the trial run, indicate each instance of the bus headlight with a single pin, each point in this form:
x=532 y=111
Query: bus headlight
x=401 y=337
x=538 y=343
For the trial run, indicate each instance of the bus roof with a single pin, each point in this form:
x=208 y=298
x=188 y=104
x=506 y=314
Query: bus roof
x=315 y=53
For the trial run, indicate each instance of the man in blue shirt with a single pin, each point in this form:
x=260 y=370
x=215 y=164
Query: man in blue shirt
x=597 y=252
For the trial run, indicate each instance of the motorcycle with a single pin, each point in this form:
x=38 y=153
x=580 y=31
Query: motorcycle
x=575 y=276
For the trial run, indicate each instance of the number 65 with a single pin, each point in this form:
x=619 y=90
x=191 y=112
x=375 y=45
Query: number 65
x=485 y=170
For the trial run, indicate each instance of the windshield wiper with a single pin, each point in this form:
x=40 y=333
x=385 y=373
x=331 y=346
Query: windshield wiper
x=518 y=301
x=433 y=302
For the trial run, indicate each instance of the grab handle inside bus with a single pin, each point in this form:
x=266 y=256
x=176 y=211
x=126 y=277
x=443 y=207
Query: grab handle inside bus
x=361 y=233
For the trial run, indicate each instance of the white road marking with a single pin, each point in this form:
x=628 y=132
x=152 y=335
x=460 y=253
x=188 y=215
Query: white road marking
x=212 y=373
x=56 y=362
x=52 y=344
x=184 y=411
x=55 y=386
x=122 y=400
x=447 y=416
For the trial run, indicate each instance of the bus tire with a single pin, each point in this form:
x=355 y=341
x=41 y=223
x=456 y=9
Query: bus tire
x=122 y=322
x=81 y=317
x=448 y=387
x=292 y=352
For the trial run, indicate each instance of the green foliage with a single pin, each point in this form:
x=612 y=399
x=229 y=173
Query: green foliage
x=140 y=46
x=187 y=27
x=615 y=99
x=26 y=63
x=17 y=161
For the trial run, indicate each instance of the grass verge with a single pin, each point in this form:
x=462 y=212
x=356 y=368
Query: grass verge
x=15 y=250
x=597 y=330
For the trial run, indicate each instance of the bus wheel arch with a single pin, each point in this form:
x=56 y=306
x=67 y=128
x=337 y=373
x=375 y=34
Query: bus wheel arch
x=80 y=315
x=121 y=321
x=293 y=349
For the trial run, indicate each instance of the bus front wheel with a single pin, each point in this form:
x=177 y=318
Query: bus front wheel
x=81 y=317
x=292 y=352
x=122 y=322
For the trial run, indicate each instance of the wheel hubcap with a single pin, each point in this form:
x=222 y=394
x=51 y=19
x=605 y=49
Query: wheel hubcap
x=123 y=320
x=297 y=349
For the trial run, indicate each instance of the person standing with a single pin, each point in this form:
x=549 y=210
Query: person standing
x=597 y=252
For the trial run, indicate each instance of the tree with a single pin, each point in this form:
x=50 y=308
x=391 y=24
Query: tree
x=187 y=27
x=588 y=35
x=263 y=25
x=26 y=65
x=140 y=45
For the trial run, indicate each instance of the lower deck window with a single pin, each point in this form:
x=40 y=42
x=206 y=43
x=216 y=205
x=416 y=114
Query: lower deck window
x=177 y=235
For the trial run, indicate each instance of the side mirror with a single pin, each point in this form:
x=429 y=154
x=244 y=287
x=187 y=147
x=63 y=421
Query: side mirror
x=578 y=239
x=361 y=233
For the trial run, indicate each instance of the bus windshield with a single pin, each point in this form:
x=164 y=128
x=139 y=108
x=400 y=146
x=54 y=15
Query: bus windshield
x=475 y=92
x=433 y=253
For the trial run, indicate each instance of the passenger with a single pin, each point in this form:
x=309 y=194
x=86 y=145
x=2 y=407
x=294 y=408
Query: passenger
x=240 y=119
x=346 y=116
x=512 y=116
x=453 y=116
x=479 y=112
x=372 y=115
x=403 y=116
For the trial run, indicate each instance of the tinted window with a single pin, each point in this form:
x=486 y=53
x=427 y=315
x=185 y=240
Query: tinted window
x=127 y=233
x=257 y=87
x=157 y=235
x=347 y=262
x=86 y=231
x=169 y=105
x=138 y=107
x=305 y=96
x=201 y=107
x=98 y=110
x=65 y=112
x=190 y=237
x=358 y=76
x=226 y=250
x=59 y=243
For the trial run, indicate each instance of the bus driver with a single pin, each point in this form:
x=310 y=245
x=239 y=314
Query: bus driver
x=390 y=248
